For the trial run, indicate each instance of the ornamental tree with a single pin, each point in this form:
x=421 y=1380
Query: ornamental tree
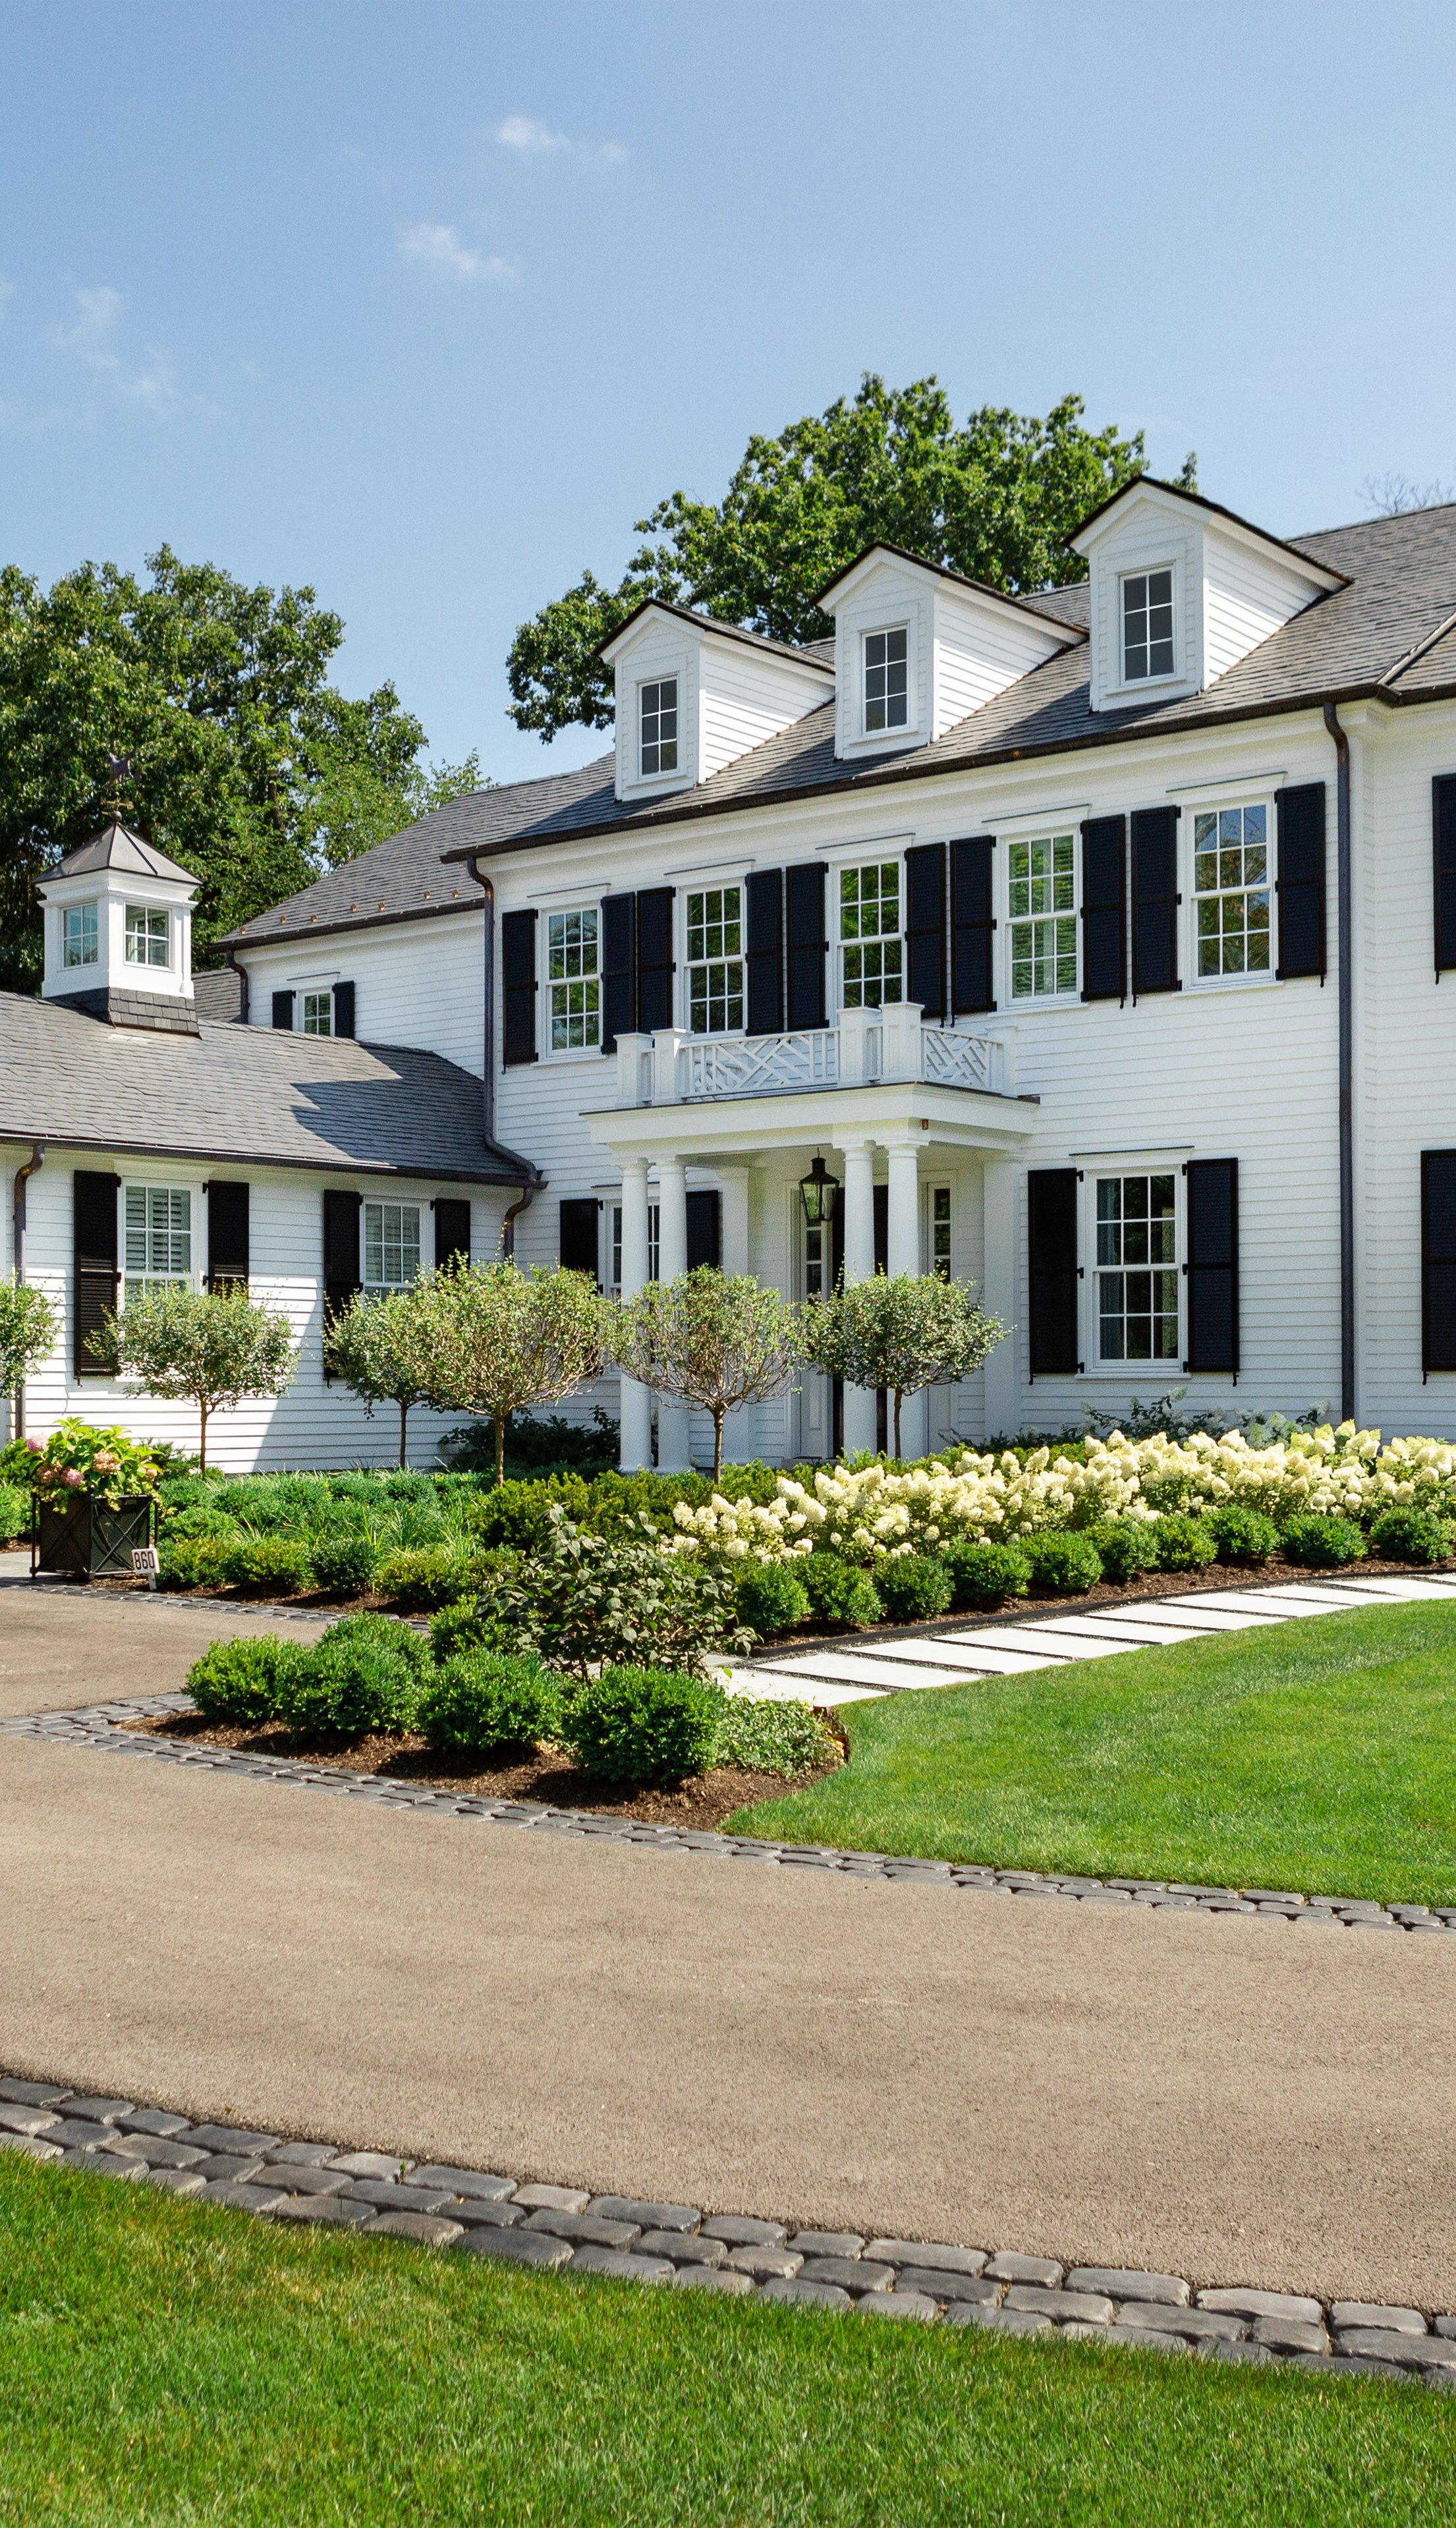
x=212 y=1349
x=501 y=1339
x=385 y=1349
x=903 y=1331
x=710 y=1339
x=28 y=1331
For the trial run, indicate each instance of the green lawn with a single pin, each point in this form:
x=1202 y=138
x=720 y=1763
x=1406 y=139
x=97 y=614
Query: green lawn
x=1318 y=1755
x=163 y=2364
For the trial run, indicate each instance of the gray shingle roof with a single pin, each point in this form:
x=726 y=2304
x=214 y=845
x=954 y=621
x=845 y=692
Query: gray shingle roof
x=242 y=1096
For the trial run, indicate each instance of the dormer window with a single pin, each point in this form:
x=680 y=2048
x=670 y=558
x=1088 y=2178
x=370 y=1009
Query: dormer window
x=1147 y=626
x=78 y=933
x=318 y=1012
x=886 y=680
x=658 y=706
x=146 y=935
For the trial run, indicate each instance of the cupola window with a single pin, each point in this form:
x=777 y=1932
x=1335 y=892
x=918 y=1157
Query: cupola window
x=146 y=935
x=79 y=932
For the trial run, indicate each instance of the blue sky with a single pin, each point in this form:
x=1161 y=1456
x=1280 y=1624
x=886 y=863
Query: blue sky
x=426 y=305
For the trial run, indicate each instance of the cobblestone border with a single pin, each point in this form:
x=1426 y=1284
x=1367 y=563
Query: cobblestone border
x=563 y=2229
x=99 y=1725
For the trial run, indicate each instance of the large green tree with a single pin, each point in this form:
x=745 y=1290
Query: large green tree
x=248 y=767
x=996 y=497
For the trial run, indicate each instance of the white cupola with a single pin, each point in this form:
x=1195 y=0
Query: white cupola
x=119 y=933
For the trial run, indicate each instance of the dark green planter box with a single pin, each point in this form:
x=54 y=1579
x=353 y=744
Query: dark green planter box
x=88 y=1539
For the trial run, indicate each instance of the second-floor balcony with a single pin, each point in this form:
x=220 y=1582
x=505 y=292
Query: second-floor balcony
x=867 y=1048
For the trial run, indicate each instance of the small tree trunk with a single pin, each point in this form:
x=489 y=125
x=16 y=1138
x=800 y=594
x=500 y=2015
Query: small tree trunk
x=202 y=1453
x=403 y=1409
x=718 y=1411
x=898 y=1395
x=500 y=1422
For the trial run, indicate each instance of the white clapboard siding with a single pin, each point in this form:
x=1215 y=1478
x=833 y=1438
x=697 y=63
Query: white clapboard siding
x=418 y=982
x=1247 y=595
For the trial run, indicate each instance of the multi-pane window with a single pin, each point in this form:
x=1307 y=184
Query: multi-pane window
x=1147 y=625
x=659 y=703
x=572 y=979
x=391 y=1245
x=940 y=1232
x=318 y=1012
x=1043 y=918
x=1231 y=887
x=157 y=1235
x=79 y=935
x=1138 y=1281
x=869 y=936
x=715 y=961
x=886 y=680
x=146 y=936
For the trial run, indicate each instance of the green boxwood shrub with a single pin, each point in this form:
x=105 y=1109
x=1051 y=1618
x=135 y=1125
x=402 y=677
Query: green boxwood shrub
x=196 y=1561
x=839 y=1591
x=772 y=1597
x=1064 y=1563
x=15 y=1512
x=422 y=1576
x=785 y=1738
x=1243 y=1534
x=1126 y=1547
x=467 y=1624
x=983 y=1575
x=241 y=1682
x=911 y=1586
x=483 y=1703
x=1319 y=1543
x=1184 y=1542
x=344 y=1563
x=519 y=1513
x=1409 y=1533
x=368 y=1672
x=643 y=1725
x=271 y=1563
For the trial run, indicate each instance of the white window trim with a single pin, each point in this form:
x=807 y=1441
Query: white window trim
x=379 y=1202
x=910 y=725
x=1132 y=685
x=78 y=964
x=314 y=992
x=584 y=902
x=148 y=965
x=1209 y=803
x=1038 y=1005
x=1131 y=1374
x=195 y=1274
x=709 y=884
x=869 y=857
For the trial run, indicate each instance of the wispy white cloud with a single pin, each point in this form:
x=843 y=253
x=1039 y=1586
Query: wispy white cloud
x=92 y=339
x=532 y=140
x=428 y=241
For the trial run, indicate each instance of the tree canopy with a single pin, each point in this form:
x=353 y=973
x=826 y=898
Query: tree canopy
x=248 y=767
x=995 y=498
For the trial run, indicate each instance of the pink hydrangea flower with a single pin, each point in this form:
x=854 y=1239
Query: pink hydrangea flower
x=73 y=1478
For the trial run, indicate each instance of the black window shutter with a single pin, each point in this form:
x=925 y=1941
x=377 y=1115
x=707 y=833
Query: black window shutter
x=452 y=1231
x=577 y=1234
x=341 y=1255
x=93 y=1224
x=803 y=894
x=1301 y=880
x=1155 y=900
x=1443 y=842
x=283 y=1010
x=925 y=927
x=227 y=1235
x=343 y=1009
x=1052 y=1254
x=704 y=1230
x=618 y=969
x=655 y=959
x=1212 y=1264
x=765 y=947
x=1438 y=1261
x=971 y=980
x=518 y=985
x=1103 y=909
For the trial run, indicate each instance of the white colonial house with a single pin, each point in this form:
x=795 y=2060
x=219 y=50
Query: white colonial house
x=1097 y=947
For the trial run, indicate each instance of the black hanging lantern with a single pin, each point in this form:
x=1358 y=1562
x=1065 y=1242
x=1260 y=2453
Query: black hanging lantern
x=819 y=1192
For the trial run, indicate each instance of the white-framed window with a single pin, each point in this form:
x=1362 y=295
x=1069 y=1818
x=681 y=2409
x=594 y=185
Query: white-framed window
x=1137 y=1282
x=715 y=961
x=940 y=1232
x=318 y=1012
x=146 y=935
x=392 y=1247
x=1041 y=916
x=1231 y=892
x=871 y=952
x=655 y=1217
x=657 y=722
x=573 y=978
x=1147 y=626
x=886 y=680
x=156 y=1236
x=78 y=941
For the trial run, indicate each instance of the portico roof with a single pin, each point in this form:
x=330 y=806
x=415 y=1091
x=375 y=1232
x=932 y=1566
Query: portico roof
x=918 y=1112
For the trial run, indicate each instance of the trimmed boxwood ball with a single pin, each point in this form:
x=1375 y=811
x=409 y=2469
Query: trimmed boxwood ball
x=1411 y=1534
x=772 y=1597
x=422 y=1576
x=1320 y=1543
x=269 y=1562
x=982 y=1575
x=368 y=1672
x=912 y=1585
x=1243 y=1534
x=484 y=1702
x=643 y=1725
x=196 y=1561
x=344 y=1564
x=1183 y=1542
x=1125 y=1546
x=468 y=1624
x=840 y=1592
x=1061 y=1564
x=241 y=1682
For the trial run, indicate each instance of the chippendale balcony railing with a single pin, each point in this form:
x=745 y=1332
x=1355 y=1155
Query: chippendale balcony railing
x=867 y=1047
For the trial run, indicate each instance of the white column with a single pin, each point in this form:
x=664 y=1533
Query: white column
x=860 y=1414
x=903 y=1256
x=999 y=1295
x=636 y=1405
x=741 y=1430
x=672 y=1263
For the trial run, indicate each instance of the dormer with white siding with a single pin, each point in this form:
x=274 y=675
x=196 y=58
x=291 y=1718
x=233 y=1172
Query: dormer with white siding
x=1181 y=591
x=918 y=648
x=693 y=695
